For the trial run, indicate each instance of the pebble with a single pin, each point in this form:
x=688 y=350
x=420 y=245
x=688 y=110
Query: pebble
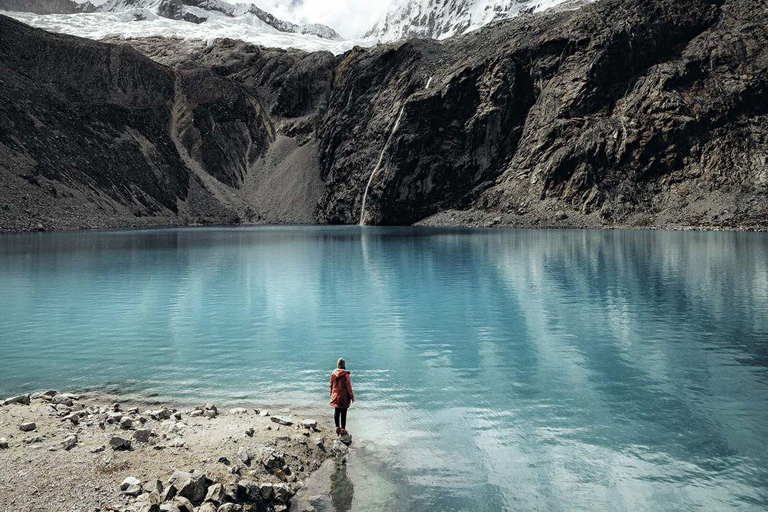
x=3 y=443
x=28 y=427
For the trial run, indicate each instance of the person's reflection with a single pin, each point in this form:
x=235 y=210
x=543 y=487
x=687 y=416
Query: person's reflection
x=342 y=488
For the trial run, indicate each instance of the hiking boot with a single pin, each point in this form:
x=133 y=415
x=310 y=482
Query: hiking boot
x=338 y=431
x=344 y=432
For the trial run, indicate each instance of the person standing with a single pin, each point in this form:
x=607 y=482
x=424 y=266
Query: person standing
x=341 y=395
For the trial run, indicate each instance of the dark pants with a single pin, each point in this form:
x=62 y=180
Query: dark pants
x=340 y=414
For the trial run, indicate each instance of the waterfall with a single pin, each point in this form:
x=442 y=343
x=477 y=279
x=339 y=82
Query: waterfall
x=378 y=164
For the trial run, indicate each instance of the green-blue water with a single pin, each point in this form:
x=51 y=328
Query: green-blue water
x=494 y=369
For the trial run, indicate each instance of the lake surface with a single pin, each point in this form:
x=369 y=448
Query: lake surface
x=494 y=369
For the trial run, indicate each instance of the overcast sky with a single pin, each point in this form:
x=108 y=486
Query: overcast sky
x=350 y=18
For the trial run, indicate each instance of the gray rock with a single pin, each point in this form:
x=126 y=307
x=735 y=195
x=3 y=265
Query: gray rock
x=98 y=449
x=263 y=413
x=272 y=460
x=189 y=485
x=69 y=442
x=283 y=493
x=320 y=442
x=249 y=491
x=131 y=486
x=28 y=427
x=154 y=485
x=120 y=443
x=215 y=493
x=237 y=411
x=346 y=439
x=209 y=413
x=33 y=440
x=282 y=420
x=267 y=490
x=126 y=423
x=142 y=435
x=339 y=448
x=207 y=507
x=169 y=492
x=249 y=431
x=243 y=455
x=61 y=400
x=183 y=504
x=3 y=443
x=230 y=507
x=196 y=413
x=309 y=423
x=20 y=400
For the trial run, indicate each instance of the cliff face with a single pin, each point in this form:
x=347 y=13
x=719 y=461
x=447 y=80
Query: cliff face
x=622 y=113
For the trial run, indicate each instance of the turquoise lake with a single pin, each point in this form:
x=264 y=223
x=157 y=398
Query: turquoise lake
x=494 y=369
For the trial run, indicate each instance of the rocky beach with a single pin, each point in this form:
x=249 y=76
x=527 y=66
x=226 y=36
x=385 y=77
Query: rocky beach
x=87 y=452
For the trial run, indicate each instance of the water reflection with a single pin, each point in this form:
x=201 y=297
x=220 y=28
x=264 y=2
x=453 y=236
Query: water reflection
x=495 y=369
x=342 y=489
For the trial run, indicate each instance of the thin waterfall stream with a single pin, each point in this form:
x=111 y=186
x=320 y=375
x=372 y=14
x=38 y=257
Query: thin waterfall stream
x=378 y=164
x=381 y=158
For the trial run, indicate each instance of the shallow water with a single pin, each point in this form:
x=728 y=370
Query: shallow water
x=495 y=369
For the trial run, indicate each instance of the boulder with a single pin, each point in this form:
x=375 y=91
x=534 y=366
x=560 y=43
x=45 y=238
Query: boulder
x=183 y=504
x=126 y=423
x=114 y=417
x=267 y=490
x=230 y=507
x=207 y=507
x=243 y=455
x=339 y=448
x=309 y=423
x=69 y=442
x=320 y=442
x=62 y=400
x=272 y=460
x=148 y=502
x=215 y=494
x=142 y=435
x=190 y=485
x=3 y=443
x=98 y=449
x=248 y=491
x=169 y=492
x=20 y=399
x=346 y=439
x=131 y=486
x=249 y=431
x=159 y=414
x=238 y=411
x=283 y=493
x=120 y=443
x=47 y=395
x=28 y=427
x=209 y=413
x=282 y=420
x=196 y=413
x=264 y=413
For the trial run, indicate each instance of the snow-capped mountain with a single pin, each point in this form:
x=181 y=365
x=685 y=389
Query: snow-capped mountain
x=198 y=11
x=185 y=19
x=439 y=19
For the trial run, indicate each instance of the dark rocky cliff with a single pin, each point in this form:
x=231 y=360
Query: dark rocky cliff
x=627 y=113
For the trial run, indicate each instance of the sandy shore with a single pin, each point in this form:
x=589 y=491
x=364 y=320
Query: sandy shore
x=70 y=452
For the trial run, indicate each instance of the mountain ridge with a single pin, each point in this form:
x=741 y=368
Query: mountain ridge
x=634 y=114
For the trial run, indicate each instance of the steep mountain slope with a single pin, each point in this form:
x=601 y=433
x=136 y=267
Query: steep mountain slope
x=438 y=19
x=99 y=135
x=625 y=113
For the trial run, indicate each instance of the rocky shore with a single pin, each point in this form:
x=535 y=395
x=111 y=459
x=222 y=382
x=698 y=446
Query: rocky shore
x=83 y=452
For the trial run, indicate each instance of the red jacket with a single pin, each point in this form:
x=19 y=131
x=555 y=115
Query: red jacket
x=341 y=389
